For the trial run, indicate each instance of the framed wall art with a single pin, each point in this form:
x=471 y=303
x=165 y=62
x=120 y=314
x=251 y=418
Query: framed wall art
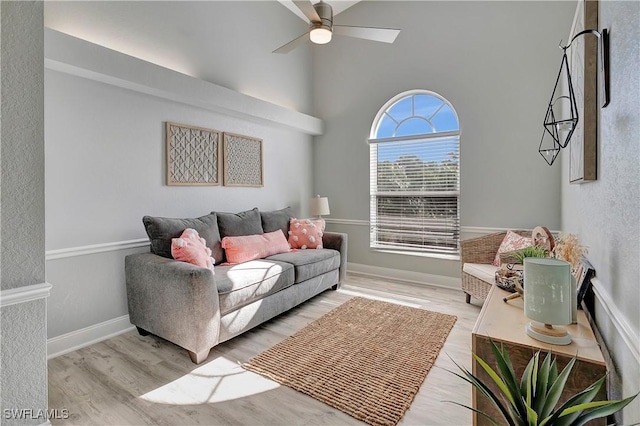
x=243 y=160
x=193 y=155
x=583 y=273
x=583 y=64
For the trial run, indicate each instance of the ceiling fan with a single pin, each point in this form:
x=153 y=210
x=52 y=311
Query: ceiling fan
x=321 y=27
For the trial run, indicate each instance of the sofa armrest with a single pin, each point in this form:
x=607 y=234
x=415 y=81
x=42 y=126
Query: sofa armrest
x=174 y=300
x=337 y=241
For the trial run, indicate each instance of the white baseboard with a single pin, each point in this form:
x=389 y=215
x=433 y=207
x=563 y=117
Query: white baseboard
x=78 y=339
x=413 y=277
x=629 y=336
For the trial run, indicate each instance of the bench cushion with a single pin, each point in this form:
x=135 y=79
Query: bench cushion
x=483 y=271
x=239 y=285
x=309 y=263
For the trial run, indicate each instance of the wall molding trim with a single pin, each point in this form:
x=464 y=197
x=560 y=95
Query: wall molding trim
x=81 y=58
x=27 y=293
x=413 y=277
x=96 y=248
x=78 y=339
x=630 y=336
x=355 y=222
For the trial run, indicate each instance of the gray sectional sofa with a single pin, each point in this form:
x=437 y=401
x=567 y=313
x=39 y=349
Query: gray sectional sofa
x=196 y=308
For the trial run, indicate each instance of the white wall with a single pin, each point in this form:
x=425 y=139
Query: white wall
x=496 y=62
x=105 y=158
x=605 y=214
x=23 y=373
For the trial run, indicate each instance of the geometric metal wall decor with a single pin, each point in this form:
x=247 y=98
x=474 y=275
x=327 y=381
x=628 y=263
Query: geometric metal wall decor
x=243 y=164
x=193 y=155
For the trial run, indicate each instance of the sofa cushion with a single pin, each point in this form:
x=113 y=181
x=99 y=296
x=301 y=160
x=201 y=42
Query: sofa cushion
x=309 y=263
x=241 y=284
x=161 y=230
x=243 y=223
x=483 y=271
x=277 y=219
x=306 y=233
x=191 y=248
x=250 y=247
x=511 y=242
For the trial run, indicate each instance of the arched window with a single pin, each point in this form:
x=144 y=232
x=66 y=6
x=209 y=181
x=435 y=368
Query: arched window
x=415 y=175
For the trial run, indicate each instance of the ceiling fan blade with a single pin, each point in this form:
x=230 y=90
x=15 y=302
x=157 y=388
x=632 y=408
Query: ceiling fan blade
x=292 y=44
x=385 y=35
x=307 y=8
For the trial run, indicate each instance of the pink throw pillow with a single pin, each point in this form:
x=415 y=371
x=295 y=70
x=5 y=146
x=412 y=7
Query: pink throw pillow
x=306 y=233
x=250 y=247
x=192 y=249
x=511 y=242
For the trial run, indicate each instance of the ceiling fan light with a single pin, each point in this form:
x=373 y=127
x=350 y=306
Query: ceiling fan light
x=320 y=35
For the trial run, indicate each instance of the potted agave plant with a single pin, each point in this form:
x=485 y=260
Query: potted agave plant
x=532 y=400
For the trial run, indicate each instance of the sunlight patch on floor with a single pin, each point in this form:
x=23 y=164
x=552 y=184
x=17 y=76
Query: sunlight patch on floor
x=385 y=297
x=216 y=381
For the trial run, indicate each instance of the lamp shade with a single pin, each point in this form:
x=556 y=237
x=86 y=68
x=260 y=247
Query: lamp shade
x=547 y=290
x=319 y=206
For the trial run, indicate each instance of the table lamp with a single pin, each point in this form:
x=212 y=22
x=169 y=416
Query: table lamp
x=547 y=299
x=319 y=206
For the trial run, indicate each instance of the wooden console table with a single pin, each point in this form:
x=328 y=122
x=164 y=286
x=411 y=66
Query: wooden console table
x=504 y=323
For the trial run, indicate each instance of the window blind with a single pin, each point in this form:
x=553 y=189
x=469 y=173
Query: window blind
x=415 y=190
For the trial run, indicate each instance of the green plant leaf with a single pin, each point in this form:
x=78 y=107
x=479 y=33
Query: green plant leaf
x=556 y=389
x=525 y=375
x=509 y=376
x=553 y=374
x=531 y=251
x=497 y=380
x=541 y=387
x=529 y=386
x=612 y=407
x=534 y=378
x=568 y=413
x=487 y=392
x=532 y=416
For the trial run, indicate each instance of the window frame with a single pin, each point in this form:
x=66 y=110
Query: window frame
x=373 y=169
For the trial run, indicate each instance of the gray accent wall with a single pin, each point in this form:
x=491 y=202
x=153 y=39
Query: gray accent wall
x=496 y=62
x=605 y=214
x=23 y=373
x=105 y=144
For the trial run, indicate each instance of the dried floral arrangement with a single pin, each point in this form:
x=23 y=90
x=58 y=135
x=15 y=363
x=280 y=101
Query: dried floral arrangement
x=569 y=249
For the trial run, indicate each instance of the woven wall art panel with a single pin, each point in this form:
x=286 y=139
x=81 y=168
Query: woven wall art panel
x=242 y=160
x=193 y=155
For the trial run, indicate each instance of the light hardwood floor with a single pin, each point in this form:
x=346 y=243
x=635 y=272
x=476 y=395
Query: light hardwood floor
x=135 y=380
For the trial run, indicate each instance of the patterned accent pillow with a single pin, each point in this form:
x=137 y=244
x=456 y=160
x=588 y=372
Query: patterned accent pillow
x=511 y=242
x=192 y=249
x=306 y=233
x=244 y=248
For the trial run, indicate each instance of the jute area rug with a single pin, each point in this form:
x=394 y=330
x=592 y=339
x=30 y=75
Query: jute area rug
x=366 y=357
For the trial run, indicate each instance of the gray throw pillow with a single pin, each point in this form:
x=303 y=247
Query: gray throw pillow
x=237 y=224
x=162 y=229
x=277 y=219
